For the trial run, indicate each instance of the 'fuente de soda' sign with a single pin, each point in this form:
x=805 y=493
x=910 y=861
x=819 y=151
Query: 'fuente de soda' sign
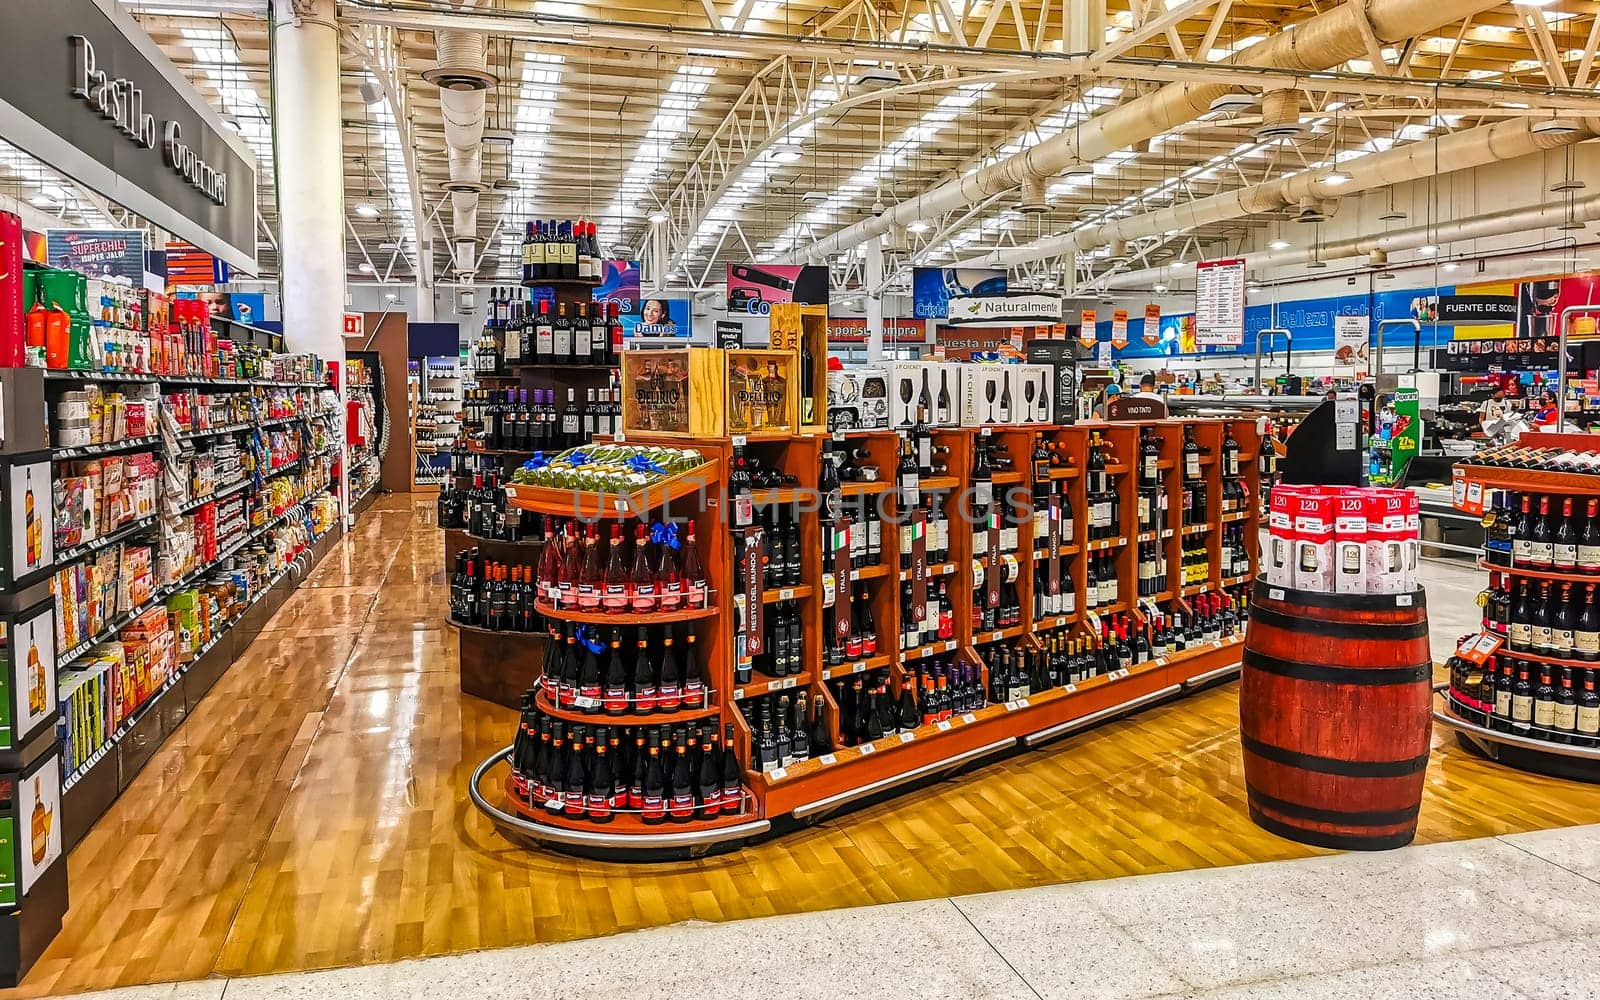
x=122 y=104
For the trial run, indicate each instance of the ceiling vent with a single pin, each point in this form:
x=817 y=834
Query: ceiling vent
x=1553 y=125
x=1032 y=201
x=1236 y=103
x=1280 y=116
x=877 y=78
x=1310 y=211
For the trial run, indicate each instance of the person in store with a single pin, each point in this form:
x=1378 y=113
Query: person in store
x=1147 y=387
x=1112 y=392
x=1491 y=419
x=1544 y=415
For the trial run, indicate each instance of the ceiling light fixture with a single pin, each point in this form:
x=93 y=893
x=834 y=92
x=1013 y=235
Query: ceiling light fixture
x=1428 y=249
x=366 y=268
x=919 y=226
x=787 y=156
x=1334 y=178
x=659 y=215
x=1159 y=288
x=1279 y=244
x=1449 y=265
x=367 y=211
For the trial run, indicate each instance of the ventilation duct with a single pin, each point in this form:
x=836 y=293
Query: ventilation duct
x=1033 y=201
x=1280 y=116
x=1310 y=211
x=462 y=76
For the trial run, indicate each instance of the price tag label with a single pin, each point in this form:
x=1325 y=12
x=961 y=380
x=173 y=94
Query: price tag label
x=1119 y=674
x=1161 y=661
x=786 y=593
x=948 y=646
x=1012 y=706
x=739 y=441
x=738 y=694
x=829 y=590
x=1070 y=688
x=919 y=565
x=867 y=748
x=969 y=718
x=755 y=550
x=787 y=683
x=1275 y=593
x=1402 y=600
x=827 y=759
x=1479 y=648
x=779 y=773
x=841 y=571
x=944 y=725
x=907 y=737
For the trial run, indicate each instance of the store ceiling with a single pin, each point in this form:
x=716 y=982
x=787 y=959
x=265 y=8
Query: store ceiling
x=749 y=155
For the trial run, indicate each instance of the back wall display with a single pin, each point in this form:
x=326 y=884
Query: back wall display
x=932 y=288
x=753 y=289
x=659 y=316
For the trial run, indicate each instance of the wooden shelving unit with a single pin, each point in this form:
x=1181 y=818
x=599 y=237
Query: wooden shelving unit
x=832 y=780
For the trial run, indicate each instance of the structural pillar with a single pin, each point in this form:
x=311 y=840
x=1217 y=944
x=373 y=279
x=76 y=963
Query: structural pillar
x=308 y=162
x=874 y=284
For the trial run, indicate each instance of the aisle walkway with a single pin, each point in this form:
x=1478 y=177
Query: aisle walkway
x=311 y=813
x=1500 y=919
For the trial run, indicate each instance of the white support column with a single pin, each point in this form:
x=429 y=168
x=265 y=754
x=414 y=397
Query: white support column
x=309 y=174
x=426 y=290
x=873 y=282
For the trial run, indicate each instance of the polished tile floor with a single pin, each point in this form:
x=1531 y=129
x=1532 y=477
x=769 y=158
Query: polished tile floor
x=1509 y=918
x=311 y=814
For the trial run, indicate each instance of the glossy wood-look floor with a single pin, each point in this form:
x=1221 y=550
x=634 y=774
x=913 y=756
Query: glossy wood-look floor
x=311 y=813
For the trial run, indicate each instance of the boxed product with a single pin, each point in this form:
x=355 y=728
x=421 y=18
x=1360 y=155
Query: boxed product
x=1350 y=542
x=905 y=383
x=1313 y=541
x=1033 y=391
x=135 y=576
x=982 y=387
x=1386 y=545
x=858 y=398
x=944 y=389
x=1277 y=562
x=74 y=509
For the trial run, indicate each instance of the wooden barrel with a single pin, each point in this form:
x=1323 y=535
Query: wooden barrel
x=1334 y=715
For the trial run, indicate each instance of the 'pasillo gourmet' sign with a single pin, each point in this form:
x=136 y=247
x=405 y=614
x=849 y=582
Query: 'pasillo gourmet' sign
x=122 y=104
x=1010 y=309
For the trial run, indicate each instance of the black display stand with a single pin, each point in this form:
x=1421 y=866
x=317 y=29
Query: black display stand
x=1328 y=448
x=33 y=866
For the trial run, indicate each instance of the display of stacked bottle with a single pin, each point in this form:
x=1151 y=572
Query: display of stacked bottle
x=519 y=331
x=529 y=420
x=1543 y=554
x=834 y=643
x=493 y=595
x=596 y=772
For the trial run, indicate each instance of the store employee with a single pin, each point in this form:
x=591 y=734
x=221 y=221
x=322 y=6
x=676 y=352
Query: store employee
x=1147 y=387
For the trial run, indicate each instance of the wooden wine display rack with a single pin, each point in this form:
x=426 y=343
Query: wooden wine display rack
x=1562 y=760
x=828 y=782
x=575 y=503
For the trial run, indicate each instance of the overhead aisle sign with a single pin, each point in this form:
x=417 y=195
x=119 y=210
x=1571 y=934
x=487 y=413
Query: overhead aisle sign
x=1219 y=302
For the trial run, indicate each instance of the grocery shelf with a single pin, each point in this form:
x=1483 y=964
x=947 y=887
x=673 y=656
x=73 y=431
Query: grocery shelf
x=200 y=435
x=760 y=684
x=76 y=552
x=226 y=491
x=626 y=618
x=795 y=593
x=548 y=707
x=1540 y=574
x=111 y=448
x=856 y=666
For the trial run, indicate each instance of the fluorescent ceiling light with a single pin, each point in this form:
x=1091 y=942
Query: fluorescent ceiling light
x=392 y=297
x=786 y=155
x=365 y=268
x=1449 y=265
x=1336 y=177
x=367 y=211
x=1279 y=244
x=919 y=226
x=658 y=216
x=1159 y=289
x=1428 y=249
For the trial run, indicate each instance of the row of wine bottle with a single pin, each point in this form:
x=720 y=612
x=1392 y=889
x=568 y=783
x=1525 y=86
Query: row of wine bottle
x=506 y=420
x=1562 y=707
x=1544 y=533
x=481 y=510
x=637 y=671
x=657 y=774
x=1555 y=619
x=660 y=572
x=493 y=595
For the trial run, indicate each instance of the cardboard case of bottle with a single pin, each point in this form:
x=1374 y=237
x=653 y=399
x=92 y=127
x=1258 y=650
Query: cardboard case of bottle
x=1278 y=559
x=944 y=383
x=981 y=388
x=1037 y=400
x=1386 y=541
x=1313 y=542
x=1350 y=542
x=858 y=398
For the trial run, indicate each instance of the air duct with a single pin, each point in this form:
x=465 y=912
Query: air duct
x=1464 y=150
x=463 y=77
x=1280 y=116
x=1317 y=43
x=1033 y=201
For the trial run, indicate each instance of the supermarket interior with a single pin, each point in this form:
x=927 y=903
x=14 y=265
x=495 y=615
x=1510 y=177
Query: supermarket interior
x=516 y=498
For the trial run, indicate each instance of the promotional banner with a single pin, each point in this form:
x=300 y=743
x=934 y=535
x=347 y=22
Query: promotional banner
x=755 y=288
x=1087 y=331
x=189 y=265
x=1219 y=301
x=1351 y=334
x=1119 y=329
x=245 y=307
x=99 y=253
x=659 y=317
x=932 y=288
x=1010 y=309
x=1501 y=309
x=619 y=283
x=853 y=330
x=1152 y=324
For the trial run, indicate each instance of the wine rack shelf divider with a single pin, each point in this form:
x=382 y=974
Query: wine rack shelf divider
x=832 y=779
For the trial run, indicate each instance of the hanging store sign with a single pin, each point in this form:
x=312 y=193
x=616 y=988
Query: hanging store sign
x=1010 y=309
x=99 y=253
x=1350 y=337
x=84 y=89
x=1152 y=324
x=1119 y=328
x=934 y=288
x=1477 y=308
x=188 y=265
x=1219 y=302
x=1087 y=335
x=753 y=289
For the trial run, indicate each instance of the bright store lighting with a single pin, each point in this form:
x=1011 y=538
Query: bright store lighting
x=1279 y=244
x=920 y=226
x=365 y=268
x=1336 y=177
x=1449 y=265
x=658 y=216
x=367 y=211
x=1427 y=249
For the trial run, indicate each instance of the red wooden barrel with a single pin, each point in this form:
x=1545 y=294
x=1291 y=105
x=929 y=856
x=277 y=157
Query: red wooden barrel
x=1334 y=715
